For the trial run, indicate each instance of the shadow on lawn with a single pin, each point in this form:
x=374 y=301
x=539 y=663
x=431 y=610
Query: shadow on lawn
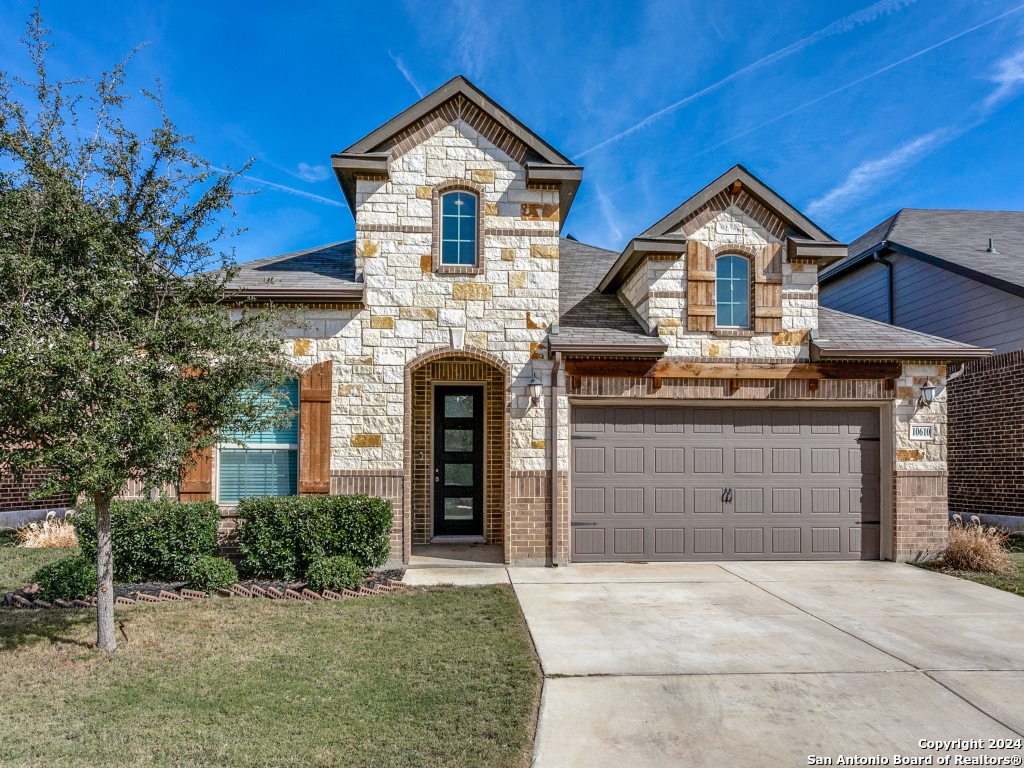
x=20 y=627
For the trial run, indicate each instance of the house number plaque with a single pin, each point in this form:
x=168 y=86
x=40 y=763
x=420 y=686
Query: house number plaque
x=921 y=432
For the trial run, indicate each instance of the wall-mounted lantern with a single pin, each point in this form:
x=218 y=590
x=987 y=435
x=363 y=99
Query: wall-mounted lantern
x=534 y=388
x=927 y=394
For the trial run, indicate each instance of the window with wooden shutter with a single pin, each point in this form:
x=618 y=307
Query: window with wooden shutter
x=768 y=289
x=197 y=485
x=700 y=287
x=315 y=429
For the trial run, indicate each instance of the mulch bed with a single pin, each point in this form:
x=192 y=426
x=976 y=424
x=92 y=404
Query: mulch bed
x=375 y=579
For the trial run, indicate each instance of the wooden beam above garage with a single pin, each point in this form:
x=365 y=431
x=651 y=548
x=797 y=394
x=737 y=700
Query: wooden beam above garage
x=687 y=369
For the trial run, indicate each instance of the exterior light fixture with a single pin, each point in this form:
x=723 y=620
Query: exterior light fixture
x=927 y=394
x=534 y=388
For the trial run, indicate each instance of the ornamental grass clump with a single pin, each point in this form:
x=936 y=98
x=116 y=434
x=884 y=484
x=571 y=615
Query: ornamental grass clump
x=52 y=532
x=975 y=547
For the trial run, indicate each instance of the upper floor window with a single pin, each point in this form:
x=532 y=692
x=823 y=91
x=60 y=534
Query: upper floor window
x=268 y=464
x=458 y=228
x=732 y=292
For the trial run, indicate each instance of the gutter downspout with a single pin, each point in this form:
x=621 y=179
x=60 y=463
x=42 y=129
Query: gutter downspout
x=554 y=459
x=890 y=300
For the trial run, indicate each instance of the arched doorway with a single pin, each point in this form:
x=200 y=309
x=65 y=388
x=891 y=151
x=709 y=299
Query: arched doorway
x=456 y=448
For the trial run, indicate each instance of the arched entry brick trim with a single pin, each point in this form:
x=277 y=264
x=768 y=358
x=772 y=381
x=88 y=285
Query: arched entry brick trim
x=455 y=365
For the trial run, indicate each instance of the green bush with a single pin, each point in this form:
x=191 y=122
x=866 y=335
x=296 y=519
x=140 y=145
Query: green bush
x=152 y=539
x=282 y=537
x=67 y=579
x=335 y=573
x=209 y=574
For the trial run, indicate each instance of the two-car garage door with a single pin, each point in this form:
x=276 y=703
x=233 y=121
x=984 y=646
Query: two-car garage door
x=686 y=483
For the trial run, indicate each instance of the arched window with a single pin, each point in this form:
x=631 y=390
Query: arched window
x=458 y=228
x=732 y=291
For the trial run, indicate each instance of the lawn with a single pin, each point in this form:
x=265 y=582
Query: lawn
x=439 y=677
x=1010 y=582
x=18 y=564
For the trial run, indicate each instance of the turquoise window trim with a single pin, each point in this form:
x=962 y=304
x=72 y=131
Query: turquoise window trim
x=268 y=464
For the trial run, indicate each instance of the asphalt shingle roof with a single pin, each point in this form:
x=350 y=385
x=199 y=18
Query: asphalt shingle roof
x=959 y=238
x=326 y=268
x=588 y=316
x=843 y=335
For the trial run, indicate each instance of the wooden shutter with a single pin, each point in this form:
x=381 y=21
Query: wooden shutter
x=315 y=429
x=700 y=287
x=768 y=289
x=197 y=485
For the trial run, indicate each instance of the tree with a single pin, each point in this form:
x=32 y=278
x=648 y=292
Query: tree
x=122 y=350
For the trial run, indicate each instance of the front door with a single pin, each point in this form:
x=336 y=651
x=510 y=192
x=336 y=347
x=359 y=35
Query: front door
x=458 y=461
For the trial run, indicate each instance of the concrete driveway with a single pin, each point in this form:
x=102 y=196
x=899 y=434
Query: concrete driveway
x=767 y=664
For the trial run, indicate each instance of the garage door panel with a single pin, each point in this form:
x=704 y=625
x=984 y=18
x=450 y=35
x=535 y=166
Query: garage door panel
x=588 y=460
x=629 y=461
x=707 y=501
x=708 y=461
x=669 y=501
x=804 y=483
x=629 y=501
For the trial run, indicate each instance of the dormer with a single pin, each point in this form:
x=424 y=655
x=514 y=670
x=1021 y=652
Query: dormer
x=735 y=261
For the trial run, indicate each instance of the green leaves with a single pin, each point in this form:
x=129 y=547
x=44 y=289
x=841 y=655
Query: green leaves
x=120 y=351
x=282 y=538
x=69 y=579
x=158 y=540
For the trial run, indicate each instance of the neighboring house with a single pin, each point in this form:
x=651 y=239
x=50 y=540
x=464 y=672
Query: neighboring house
x=693 y=400
x=959 y=274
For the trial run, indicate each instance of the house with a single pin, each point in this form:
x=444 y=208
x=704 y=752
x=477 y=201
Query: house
x=685 y=399
x=958 y=274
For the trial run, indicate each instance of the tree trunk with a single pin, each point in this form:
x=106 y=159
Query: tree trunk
x=106 y=638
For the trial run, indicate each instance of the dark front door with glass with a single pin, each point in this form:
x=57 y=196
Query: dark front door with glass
x=458 y=461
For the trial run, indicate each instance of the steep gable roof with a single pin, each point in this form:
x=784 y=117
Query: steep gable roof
x=754 y=187
x=737 y=185
x=955 y=240
x=458 y=99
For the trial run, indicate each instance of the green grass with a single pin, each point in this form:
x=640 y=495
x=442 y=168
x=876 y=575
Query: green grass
x=440 y=677
x=1009 y=582
x=18 y=564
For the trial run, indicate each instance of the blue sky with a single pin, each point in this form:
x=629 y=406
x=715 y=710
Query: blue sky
x=850 y=110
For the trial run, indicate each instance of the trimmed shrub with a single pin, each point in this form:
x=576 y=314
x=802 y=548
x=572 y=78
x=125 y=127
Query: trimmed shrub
x=67 y=579
x=209 y=574
x=282 y=537
x=973 y=547
x=335 y=573
x=156 y=540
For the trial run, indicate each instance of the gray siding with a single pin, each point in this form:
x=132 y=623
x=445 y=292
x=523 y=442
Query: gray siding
x=860 y=293
x=933 y=300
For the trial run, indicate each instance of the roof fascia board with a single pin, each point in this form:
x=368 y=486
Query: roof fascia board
x=825 y=253
x=430 y=102
x=567 y=177
x=958 y=269
x=633 y=253
x=347 y=294
x=852 y=264
x=893 y=353
x=752 y=185
x=651 y=349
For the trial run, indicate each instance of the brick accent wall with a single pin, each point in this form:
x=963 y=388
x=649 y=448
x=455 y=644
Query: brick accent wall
x=985 y=409
x=451 y=369
x=15 y=495
x=920 y=513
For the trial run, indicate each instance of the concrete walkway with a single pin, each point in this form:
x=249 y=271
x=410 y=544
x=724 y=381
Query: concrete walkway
x=766 y=664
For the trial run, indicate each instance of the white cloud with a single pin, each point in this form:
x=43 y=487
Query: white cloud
x=309 y=172
x=845 y=24
x=406 y=74
x=864 y=180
